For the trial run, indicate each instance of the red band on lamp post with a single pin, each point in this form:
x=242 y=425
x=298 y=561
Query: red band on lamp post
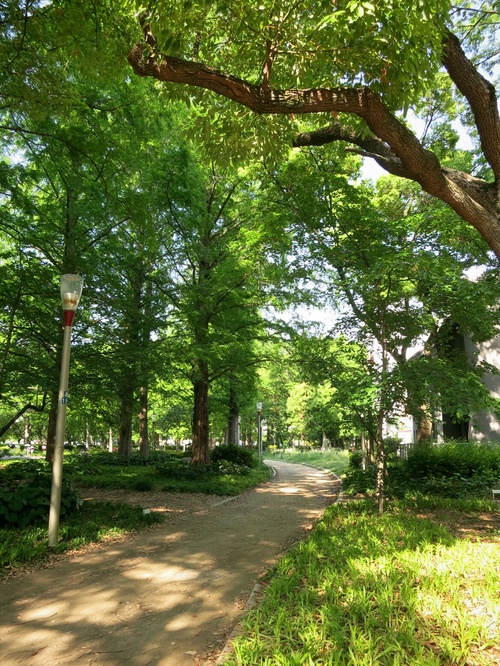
x=68 y=317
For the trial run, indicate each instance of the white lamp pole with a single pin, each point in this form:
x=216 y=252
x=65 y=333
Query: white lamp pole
x=71 y=289
x=259 y=433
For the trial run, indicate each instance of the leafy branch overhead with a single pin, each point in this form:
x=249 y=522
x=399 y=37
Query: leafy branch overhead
x=348 y=57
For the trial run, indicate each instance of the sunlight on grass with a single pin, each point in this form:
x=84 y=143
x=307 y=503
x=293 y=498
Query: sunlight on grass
x=334 y=460
x=363 y=589
x=95 y=522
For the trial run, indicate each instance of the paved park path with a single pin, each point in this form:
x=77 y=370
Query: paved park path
x=170 y=596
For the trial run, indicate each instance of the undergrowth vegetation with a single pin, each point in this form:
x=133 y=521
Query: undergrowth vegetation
x=94 y=522
x=25 y=488
x=417 y=586
x=25 y=494
x=367 y=589
x=453 y=470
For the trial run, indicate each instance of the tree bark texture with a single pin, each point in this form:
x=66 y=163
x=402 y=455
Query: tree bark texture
x=233 y=420
x=125 y=429
x=200 y=453
x=380 y=461
x=143 y=422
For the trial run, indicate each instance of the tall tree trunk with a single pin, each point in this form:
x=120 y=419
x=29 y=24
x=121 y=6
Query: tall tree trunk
x=381 y=457
x=364 y=450
x=380 y=460
x=8 y=336
x=143 y=422
x=144 y=443
x=126 y=395
x=424 y=430
x=200 y=454
x=125 y=429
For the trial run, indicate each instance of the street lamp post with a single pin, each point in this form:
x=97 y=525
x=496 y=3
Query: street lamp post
x=259 y=433
x=71 y=289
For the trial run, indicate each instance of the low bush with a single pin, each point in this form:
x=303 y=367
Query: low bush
x=25 y=489
x=360 y=481
x=453 y=470
x=95 y=522
x=136 y=459
x=233 y=454
x=465 y=459
x=229 y=467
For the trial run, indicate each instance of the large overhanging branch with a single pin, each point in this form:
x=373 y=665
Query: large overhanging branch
x=422 y=165
x=481 y=96
x=369 y=146
x=395 y=148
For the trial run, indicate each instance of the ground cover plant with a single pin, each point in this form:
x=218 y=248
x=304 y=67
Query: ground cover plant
x=232 y=470
x=333 y=460
x=94 y=522
x=25 y=496
x=416 y=586
x=454 y=469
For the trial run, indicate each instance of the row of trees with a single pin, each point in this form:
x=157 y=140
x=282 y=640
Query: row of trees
x=194 y=225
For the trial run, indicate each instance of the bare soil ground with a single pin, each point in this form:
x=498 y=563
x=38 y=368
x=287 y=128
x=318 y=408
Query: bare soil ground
x=170 y=595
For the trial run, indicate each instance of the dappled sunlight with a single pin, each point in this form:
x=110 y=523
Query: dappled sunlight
x=167 y=594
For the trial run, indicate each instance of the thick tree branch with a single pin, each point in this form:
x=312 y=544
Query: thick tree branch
x=261 y=99
x=363 y=102
x=395 y=147
x=481 y=96
x=369 y=146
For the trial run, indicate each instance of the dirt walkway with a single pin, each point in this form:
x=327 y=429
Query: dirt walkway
x=168 y=597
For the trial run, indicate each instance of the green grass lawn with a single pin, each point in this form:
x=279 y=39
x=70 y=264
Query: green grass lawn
x=415 y=586
x=334 y=460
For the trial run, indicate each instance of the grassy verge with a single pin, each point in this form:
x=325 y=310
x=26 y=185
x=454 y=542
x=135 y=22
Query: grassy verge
x=150 y=479
x=95 y=522
x=334 y=460
x=417 y=586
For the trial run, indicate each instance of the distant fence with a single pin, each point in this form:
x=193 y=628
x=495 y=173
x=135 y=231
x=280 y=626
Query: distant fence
x=404 y=448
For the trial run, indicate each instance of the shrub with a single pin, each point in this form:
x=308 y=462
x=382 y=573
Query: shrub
x=176 y=468
x=233 y=454
x=358 y=480
x=25 y=489
x=100 y=457
x=231 y=468
x=355 y=460
x=142 y=485
x=466 y=459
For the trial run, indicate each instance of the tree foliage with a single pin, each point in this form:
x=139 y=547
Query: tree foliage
x=367 y=61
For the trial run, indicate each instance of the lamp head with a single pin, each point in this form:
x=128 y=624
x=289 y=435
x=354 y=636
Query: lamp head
x=71 y=290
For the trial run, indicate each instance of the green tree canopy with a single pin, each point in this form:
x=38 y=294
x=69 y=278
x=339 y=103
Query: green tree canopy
x=366 y=61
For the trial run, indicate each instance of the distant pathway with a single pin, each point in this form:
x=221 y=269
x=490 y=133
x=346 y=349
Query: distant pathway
x=169 y=596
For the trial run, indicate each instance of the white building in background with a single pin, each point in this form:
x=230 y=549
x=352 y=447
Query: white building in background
x=485 y=426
